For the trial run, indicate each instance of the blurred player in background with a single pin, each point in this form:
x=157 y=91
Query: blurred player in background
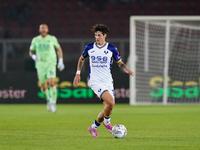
x=100 y=55
x=42 y=51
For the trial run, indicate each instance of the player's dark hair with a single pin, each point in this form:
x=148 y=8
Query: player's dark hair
x=100 y=27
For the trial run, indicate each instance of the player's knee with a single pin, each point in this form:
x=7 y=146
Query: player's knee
x=51 y=84
x=44 y=88
x=111 y=103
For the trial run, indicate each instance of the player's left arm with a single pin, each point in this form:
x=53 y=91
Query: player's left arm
x=59 y=52
x=32 y=52
x=61 y=65
x=57 y=46
x=124 y=68
x=119 y=61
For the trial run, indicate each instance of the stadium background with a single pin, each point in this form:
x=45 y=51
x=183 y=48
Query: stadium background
x=70 y=21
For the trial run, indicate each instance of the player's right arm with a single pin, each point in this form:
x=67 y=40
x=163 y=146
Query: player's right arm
x=34 y=56
x=32 y=51
x=77 y=77
x=81 y=60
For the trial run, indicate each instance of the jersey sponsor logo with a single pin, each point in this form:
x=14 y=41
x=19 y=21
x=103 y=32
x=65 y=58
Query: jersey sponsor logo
x=99 y=59
x=99 y=65
x=44 y=47
x=92 y=51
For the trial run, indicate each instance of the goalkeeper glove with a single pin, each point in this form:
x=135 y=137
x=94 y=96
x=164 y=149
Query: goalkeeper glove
x=36 y=57
x=61 y=66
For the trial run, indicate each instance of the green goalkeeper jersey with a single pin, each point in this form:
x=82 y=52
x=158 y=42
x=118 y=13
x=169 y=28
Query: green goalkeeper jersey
x=45 y=48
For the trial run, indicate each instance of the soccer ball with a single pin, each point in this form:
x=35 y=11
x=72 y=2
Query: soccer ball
x=119 y=131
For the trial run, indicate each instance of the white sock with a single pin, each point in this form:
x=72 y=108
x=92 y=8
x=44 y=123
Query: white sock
x=95 y=125
x=106 y=120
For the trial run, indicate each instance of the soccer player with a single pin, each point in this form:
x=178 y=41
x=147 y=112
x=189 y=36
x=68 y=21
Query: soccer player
x=101 y=55
x=42 y=51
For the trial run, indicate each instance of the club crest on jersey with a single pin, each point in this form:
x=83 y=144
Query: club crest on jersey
x=106 y=52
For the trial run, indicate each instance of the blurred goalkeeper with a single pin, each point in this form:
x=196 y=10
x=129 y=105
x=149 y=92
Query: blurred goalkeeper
x=42 y=51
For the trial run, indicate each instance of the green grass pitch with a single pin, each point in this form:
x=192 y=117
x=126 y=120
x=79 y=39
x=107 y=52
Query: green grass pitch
x=31 y=127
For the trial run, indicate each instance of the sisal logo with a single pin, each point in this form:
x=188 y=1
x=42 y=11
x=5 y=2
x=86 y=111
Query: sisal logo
x=175 y=89
x=65 y=89
x=71 y=93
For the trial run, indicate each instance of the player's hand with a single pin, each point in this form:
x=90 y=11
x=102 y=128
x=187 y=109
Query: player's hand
x=77 y=79
x=61 y=65
x=130 y=73
x=36 y=57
